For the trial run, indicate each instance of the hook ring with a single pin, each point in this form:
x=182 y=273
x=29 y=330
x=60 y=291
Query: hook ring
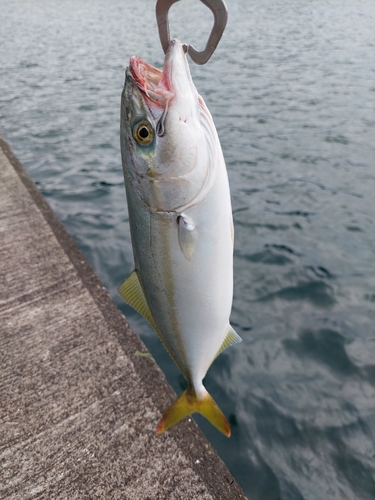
x=220 y=12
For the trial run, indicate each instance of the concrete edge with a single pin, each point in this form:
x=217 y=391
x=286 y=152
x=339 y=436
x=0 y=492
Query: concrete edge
x=187 y=435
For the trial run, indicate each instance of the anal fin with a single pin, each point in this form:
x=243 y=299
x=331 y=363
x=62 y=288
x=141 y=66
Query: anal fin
x=231 y=338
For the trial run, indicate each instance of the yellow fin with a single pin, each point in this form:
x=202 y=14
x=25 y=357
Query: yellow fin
x=187 y=404
x=132 y=292
x=145 y=355
x=231 y=338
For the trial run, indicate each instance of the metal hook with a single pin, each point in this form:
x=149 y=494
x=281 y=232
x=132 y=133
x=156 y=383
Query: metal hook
x=219 y=10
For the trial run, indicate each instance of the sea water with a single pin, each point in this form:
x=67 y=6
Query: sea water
x=291 y=89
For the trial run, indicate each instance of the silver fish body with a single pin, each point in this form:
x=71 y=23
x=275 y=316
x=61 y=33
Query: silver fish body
x=181 y=223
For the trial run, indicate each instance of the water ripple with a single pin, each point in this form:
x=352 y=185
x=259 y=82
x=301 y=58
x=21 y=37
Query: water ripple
x=292 y=94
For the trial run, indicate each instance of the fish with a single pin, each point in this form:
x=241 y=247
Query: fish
x=181 y=224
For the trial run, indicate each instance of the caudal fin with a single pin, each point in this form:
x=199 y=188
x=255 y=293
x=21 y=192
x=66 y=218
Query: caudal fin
x=189 y=403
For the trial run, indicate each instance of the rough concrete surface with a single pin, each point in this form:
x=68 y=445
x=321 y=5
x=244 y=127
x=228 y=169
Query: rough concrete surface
x=78 y=408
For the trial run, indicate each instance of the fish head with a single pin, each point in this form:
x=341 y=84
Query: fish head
x=167 y=134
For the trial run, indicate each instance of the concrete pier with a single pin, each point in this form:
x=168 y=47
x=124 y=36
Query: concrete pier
x=78 y=407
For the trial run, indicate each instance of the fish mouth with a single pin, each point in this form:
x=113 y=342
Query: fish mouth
x=145 y=76
x=159 y=87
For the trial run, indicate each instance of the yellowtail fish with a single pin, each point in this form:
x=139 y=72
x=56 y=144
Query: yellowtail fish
x=181 y=224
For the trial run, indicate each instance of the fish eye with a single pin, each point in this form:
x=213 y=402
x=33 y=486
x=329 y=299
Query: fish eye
x=143 y=133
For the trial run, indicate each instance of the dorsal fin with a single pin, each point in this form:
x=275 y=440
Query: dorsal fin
x=231 y=338
x=132 y=292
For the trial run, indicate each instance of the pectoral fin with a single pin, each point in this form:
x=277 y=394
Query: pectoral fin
x=187 y=235
x=132 y=292
x=231 y=338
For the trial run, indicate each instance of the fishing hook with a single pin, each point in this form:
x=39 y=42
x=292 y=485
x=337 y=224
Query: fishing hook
x=219 y=10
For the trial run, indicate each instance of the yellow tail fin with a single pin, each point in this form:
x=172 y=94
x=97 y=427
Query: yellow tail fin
x=189 y=403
